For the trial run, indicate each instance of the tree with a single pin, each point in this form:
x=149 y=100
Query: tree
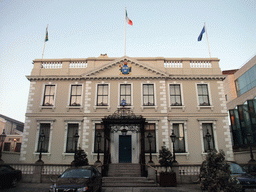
x=80 y=158
x=165 y=157
x=215 y=174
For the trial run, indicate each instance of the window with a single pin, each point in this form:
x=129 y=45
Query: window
x=179 y=143
x=203 y=95
x=207 y=127
x=99 y=128
x=7 y=146
x=148 y=95
x=76 y=95
x=102 y=95
x=17 y=147
x=72 y=130
x=125 y=93
x=49 y=95
x=175 y=95
x=44 y=128
x=150 y=128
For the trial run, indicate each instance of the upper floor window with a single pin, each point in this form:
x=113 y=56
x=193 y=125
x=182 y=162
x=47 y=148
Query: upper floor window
x=203 y=95
x=150 y=128
x=72 y=130
x=45 y=129
x=76 y=95
x=125 y=93
x=148 y=95
x=179 y=143
x=102 y=95
x=49 y=93
x=175 y=95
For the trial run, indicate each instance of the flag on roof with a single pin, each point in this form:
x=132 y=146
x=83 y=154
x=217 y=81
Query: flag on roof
x=129 y=21
x=201 y=34
x=46 y=35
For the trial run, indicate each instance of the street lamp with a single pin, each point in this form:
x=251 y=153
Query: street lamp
x=2 y=138
x=124 y=132
x=208 y=139
x=249 y=139
x=173 y=138
x=150 y=138
x=98 y=136
x=41 y=140
x=76 y=137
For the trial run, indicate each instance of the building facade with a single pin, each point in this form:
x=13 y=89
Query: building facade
x=240 y=91
x=114 y=104
x=12 y=144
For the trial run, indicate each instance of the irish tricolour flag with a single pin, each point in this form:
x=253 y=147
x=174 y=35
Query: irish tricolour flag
x=129 y=21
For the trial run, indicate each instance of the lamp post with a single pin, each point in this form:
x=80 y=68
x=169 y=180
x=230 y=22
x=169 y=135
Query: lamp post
x=2 y=138
x=41 y=140
x=76 y=137
x=150 y=137
x=173 y=137
x=249 y=139
x=208 y=139
x=124 y=132
x=98 y=141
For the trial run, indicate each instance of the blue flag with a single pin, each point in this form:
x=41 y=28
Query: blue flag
x=201 y=34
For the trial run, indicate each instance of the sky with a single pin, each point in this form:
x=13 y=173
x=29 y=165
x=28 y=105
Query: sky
x=88 y=28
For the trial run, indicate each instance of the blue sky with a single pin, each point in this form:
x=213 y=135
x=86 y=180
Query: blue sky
x=87 y=28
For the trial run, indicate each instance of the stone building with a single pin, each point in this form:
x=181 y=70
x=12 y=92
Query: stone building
x=115 y=103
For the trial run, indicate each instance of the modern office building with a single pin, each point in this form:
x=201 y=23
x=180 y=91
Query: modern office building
x=123 y=108
x=240 y=92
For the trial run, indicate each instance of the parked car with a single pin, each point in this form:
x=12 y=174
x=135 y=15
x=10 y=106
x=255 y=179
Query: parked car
x=246 y=180
x=9 y=177
x=79 y=179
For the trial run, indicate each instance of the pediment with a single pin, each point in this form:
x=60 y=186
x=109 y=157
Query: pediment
x=125 y=66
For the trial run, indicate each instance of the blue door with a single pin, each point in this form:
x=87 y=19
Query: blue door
x=125 y=152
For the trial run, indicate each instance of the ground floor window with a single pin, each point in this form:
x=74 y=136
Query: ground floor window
x=72 y=130
x=99 y=138
x=150 y=128
x=208 y=144
x=179 y=144
x=45 y=129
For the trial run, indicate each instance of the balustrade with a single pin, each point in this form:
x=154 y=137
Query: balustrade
x=51 y=65
x=200 y=64
x=173 y=64
x=80 y=64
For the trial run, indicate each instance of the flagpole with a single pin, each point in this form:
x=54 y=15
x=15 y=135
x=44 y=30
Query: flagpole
x=125 y=33
x=207 y=40
x=44 y=42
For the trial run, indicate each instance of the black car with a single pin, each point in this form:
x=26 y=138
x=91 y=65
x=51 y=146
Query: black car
x=9 y=177
x=246 y=180
x=79 y=179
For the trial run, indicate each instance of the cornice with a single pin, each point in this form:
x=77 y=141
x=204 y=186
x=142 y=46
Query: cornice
x=171 y=77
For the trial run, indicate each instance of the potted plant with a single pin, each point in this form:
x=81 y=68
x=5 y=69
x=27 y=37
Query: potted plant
x=167 y=179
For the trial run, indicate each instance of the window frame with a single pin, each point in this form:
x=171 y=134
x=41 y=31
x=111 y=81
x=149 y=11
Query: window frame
x=199 y=95
x=178 y=137
x=154 y=134
x=44 y=95
x=184 y=122
x=76 y=129
x=210 y=106
x=129 y=95
x=97 y=95
x=51 y=122
x=42 y=106
x=148 y=95
x=213 y=122
x=67 y=122
x=76 y=95
x=95 y=145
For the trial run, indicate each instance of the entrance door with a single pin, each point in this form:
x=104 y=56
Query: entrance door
x=125 y=155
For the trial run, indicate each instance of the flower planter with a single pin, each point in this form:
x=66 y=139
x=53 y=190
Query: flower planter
x=168 y=179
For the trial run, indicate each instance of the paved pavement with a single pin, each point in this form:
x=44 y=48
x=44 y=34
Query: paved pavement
x=43 y=187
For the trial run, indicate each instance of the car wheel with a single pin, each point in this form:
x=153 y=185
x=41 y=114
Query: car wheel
x=14 y=182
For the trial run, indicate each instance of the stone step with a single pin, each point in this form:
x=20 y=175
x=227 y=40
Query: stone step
x=127 y=182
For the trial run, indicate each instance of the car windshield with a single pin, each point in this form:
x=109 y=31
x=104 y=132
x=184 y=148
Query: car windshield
x=76 y=173
x=236 y=169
